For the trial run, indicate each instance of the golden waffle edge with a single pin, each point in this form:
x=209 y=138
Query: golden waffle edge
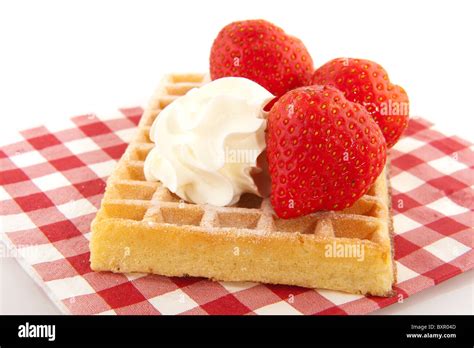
x=143 y=227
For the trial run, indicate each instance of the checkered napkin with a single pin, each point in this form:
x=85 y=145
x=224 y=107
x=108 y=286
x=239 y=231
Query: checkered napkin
x=52 y=184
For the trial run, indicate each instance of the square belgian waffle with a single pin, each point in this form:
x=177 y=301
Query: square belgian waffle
x=143 y=227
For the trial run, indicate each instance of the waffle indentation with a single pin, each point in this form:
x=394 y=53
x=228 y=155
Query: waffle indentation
x=180 y=88
x=150 y=116
x=364 y=206
x=130 y=210
x=143 y=135
x=353 y=227
x=305 y=224
x=139 y=153
x=249 y=201
x=130 y=171
x=238 y=220
x=131 y=190
x=182 y=215
x=168 y=196
x=166 y=100
x=187 y=78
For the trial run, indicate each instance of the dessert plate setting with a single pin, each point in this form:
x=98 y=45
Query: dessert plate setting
x=342 y=204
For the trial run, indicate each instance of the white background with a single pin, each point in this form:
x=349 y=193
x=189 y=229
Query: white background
x=64 y=58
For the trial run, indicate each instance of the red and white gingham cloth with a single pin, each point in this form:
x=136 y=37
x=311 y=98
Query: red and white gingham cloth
x=52 y=184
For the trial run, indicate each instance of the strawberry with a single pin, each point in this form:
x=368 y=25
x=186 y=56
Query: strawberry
x=262 y=52
x=367 y=83
x=324 y=152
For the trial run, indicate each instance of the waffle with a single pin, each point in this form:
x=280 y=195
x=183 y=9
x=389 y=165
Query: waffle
x=143 y=227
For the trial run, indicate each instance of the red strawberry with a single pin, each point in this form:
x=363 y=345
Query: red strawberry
x=324 y=152
x=367 y=83
x=262 y=52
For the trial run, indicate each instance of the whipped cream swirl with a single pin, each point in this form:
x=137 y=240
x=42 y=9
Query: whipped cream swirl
x=207 y=142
